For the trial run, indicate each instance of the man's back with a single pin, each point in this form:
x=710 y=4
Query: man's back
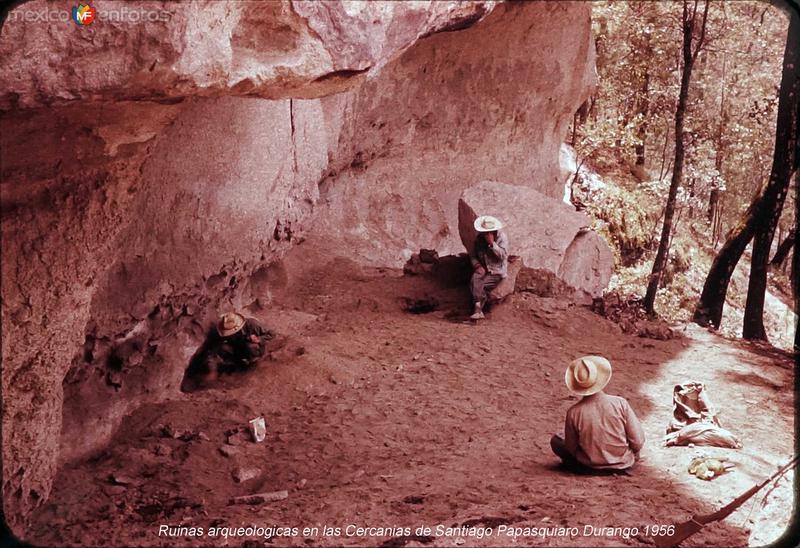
x=602 y=431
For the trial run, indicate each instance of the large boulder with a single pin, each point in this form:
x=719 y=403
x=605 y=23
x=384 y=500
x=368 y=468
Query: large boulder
x=547 y=233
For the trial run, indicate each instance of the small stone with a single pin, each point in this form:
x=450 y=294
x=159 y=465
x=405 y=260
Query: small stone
x=428 y=255
x=186 y=435
x=260 y=498
x=203 y=436
x=302 y=483
x=242 y=475
x=119 y=479
x=229 y=451
x=169 y=432
x=237 y=438
x=112 y=490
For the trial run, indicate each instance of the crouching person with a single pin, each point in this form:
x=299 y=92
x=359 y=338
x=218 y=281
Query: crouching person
x=601 y=432
x=489 y=258
x=237 y=343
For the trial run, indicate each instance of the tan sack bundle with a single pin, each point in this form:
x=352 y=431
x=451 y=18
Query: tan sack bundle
x=694 y=419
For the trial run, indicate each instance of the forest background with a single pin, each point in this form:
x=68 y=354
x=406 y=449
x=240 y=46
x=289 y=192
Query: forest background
x=625 y=144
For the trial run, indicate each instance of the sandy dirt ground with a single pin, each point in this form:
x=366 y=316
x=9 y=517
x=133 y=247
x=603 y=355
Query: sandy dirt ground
x=385 y=419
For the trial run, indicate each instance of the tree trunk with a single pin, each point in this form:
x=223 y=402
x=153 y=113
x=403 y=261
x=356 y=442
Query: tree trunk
x=689 y=57
x=644 y=101
x=713 y=204
x=664 y=167
x=716 y=193
x=717 y=226
x=712 y=299
x=784 y=164
x=644 y=110
x=760 y=215
x=783 y=250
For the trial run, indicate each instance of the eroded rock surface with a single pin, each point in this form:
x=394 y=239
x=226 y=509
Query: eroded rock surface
x=138 y=200
x=155 y=50
x=120 y=247
x=547 y=233
x=490 y=102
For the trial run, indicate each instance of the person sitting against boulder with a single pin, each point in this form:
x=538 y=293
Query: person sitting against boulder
x=236 y=343
x=601 y=432
x=489 y=258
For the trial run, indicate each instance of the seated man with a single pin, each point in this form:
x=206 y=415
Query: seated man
x=489 y=258
x=601 y=432
x=237 y=343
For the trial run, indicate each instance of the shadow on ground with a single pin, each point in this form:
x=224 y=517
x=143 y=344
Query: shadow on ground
x=391 y=419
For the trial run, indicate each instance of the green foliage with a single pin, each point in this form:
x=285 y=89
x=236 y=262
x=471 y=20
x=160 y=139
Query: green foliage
x=624 y=223
x=729 y=137
x=606 y=134
x=732 y=104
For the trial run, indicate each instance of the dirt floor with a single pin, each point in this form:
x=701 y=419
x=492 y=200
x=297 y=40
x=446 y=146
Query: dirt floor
x=385 y=419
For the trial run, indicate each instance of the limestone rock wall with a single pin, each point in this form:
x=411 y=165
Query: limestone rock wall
x=60 y=216
x=489 y=102
x=154 y=174
x=211 y=216
x=114 y=264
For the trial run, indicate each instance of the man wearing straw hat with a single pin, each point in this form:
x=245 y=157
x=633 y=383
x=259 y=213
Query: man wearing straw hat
x=601 y=432
x=237 y=343
x=489 y=258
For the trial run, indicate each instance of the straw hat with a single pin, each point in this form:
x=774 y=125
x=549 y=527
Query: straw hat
x=230 y=323
x=588 y=375
x=487 y=223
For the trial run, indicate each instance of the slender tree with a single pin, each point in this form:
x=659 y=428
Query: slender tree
x=692 y=22
x=643 y=97
x=644 y=111
x=716 y=192
x=783 y=250
x=784 y=164
x=762 y=215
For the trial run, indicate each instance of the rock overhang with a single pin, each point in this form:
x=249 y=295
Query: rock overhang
x=163 y=51
x=118 y=168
